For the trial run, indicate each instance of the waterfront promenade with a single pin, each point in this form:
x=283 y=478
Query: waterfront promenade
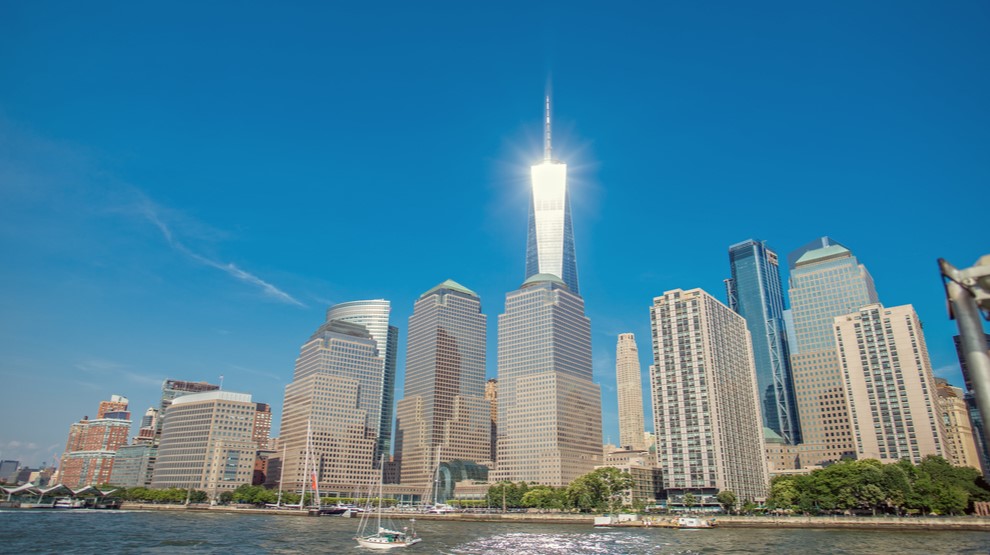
x=973 y=523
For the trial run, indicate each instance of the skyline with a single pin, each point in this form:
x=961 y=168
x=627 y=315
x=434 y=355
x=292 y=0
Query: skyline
x=178 y=203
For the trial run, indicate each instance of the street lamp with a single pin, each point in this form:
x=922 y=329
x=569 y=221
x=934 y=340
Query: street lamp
x=968 y=293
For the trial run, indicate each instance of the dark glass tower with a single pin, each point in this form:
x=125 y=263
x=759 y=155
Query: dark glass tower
x=755 y=292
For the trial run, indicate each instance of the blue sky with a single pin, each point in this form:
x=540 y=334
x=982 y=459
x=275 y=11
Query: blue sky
x=184 y=189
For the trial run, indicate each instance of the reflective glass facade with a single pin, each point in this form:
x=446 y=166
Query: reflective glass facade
x=550 y=242
x=825 y=283
x=755 y=293
x=549 y=409
x=374 y=316
x=443 y=415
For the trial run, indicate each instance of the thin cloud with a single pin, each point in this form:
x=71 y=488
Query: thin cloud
x=103 y=367
x=150 y=212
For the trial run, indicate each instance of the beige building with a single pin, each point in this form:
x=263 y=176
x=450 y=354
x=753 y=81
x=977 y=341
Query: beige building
x=443 y=415
x=641 y=465
x=207 y=443
x=706 y=412
x=890 y=389
x=959 y=439
x=629 y=387
x=330 y=418
x=549 y=409
x=825 y=282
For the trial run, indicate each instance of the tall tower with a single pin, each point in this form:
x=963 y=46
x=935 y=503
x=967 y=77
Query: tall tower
x=826 y=282
x=443 y=415
x=332 y=409
x=755 y=293
x=550 y=241
x=630 y=391
x=703 y=384
x=891 y=391
x=549 y=409
x=374 y=316
x=92 y=445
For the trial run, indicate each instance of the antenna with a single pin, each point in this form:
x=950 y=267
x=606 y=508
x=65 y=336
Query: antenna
x=546 y=134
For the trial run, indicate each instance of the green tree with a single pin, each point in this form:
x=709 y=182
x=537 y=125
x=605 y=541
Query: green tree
x=543 y=497
x=688 y=499
x=727 y=499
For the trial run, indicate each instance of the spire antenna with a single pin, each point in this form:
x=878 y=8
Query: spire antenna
x=546 y=134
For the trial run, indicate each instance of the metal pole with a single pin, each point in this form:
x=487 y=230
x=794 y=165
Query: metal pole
x=973 y=342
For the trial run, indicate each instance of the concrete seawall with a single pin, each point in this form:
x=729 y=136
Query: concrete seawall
x=971 y=523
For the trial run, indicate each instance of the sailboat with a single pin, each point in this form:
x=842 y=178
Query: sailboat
x=384 y=538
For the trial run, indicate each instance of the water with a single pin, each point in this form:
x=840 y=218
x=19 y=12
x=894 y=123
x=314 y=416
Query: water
x=85 y=532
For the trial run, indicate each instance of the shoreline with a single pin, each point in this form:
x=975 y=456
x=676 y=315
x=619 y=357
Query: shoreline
x=968 y=523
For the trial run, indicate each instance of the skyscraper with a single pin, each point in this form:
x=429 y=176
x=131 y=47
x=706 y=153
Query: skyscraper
x=374 y=316
x=332 y=408
x=890 y=389
x=550 y=241
x=974 y=412
x=960 y=442
x=549 y=409
x=755 y=293
x=207 y=442
x=825 y=283
x=629 y=387
x=443 y=415
x=705 y=402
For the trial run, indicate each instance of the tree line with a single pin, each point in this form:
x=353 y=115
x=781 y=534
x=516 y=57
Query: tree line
x=601 y=490
x=931 y=487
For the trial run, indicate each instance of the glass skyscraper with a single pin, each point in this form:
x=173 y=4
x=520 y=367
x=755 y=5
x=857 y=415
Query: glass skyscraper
x=444 y=415
x=826 y=282
x=373 y=315
x=755 y=293
x=550 y=241
x=549 y=408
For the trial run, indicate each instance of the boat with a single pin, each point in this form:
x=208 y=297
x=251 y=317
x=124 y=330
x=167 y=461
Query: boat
x=69 y=503
x=384 y=538
x=694 y=522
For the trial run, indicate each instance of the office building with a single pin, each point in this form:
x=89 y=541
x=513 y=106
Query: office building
x=332 y=408
x=826 y=281
x=974 y=412
x=893 y=401
x=960 y=442
x=134 y=465
x=703 y=386
x=491 y=394
x=629 y=388
x=443 y=415
x=755 y=292
x=91 y=446
x=550 y=240
x=549 y=409
x=207 y=443
x=262 y=426
x=374 y=316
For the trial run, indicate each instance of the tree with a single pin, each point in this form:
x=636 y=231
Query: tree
x=602 y=489
x=689 y=500
x=727 y=499
x=543 y=497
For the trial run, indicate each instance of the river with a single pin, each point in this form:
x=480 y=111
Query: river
x=153 y=532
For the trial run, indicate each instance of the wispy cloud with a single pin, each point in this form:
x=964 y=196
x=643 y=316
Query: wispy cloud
x=261 y=373
x=102 y=367
x=151 y=212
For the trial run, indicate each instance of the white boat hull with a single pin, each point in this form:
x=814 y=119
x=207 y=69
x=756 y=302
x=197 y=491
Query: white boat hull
x=381 y=542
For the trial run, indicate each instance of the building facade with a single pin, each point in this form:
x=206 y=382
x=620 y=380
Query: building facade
x=960 y=441
x=374 y=316
x=974 y=412
x=134 y=465
x=550 y=240
x=629 y=388
x=91 y=446
x=703 y=386
x=443 y=415
x=755 y=292
x=549 y=409
x=331 y=415
x=262 y=426
x=825 y=282
x=207 y=443
x=893 y=401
